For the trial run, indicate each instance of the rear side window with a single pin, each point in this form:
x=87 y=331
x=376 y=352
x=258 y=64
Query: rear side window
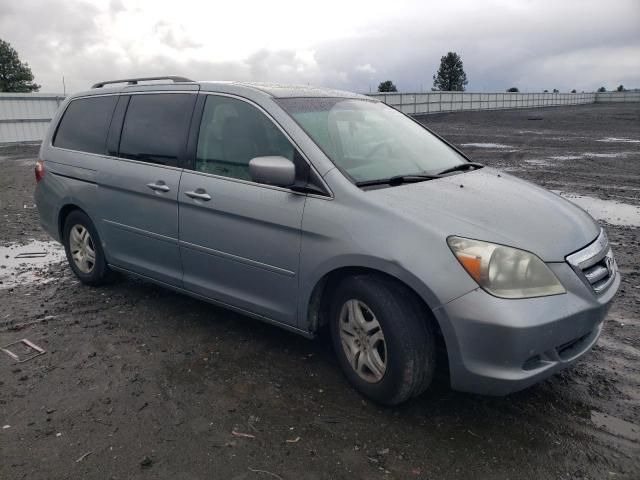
x=155 y=127
x=85 y=123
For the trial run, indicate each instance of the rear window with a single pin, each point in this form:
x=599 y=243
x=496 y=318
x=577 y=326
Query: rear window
x=85 y=123
x=155 y=127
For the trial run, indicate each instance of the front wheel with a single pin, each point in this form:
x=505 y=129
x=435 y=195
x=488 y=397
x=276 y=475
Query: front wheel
x=383 y=338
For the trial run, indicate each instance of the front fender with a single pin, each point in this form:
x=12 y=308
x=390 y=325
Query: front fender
x=332 y=264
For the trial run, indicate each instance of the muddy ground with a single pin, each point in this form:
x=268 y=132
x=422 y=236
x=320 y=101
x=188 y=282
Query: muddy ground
x=139 y=382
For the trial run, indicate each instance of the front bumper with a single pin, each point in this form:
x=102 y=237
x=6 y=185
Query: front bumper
x=497 y=346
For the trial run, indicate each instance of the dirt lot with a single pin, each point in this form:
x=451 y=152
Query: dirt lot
x=139 y=382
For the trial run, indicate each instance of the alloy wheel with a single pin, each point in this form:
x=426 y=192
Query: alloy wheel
x=363 y=340
x=82 y=249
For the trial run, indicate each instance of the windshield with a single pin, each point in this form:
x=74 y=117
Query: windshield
x=370 y=140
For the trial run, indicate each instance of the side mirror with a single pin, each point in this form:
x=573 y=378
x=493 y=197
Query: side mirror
x=277 y=171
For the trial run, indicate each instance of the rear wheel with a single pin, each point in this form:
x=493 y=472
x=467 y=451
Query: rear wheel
x=383 y=338
x=84 y=250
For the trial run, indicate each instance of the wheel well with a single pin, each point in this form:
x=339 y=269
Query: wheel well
x=319 y=304
x=62 y=217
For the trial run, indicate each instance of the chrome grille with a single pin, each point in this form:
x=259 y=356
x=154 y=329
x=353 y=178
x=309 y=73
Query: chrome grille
x=595 y=264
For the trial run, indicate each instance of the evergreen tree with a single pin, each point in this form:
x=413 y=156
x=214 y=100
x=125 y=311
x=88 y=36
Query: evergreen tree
x=15 y=76
x=451 y=75
x=387 y=86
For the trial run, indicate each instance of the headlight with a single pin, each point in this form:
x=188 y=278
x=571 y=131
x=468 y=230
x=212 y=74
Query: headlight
x=504 y=271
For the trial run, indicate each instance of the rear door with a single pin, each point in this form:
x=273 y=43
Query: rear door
x=138 y=191
x=240 y=240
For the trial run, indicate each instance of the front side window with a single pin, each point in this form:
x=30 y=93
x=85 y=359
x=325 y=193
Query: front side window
x=232 y=132
x=85 y=123
x=369 y=140
x=155 y=127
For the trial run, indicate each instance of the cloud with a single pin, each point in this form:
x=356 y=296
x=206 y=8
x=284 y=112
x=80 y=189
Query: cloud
x=116 y=6
x=531 y=45
x=174 y=36
x=366 y=68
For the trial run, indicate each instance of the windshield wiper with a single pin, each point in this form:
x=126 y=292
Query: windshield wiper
x=398 y=180
x=461 y=166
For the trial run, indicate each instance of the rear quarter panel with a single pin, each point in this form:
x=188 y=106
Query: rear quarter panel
x=65 y=183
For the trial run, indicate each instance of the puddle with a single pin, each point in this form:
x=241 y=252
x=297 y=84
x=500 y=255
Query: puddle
x=618 y=140
x=537 y=162
x=486 y=145
x=20 y=264
x=610 y=211
x=616 y=426
x=566 y=157
x=605 y=155
x=590 y=155
x=560 y=139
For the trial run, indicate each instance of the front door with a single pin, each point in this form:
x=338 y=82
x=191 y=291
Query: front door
x=240 y=240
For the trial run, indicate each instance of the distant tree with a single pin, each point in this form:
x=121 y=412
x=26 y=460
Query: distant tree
x=513 y=89
x=387 y=86
x=555 y=90
x=15 y=76
x=450 y=75
x=620 y=88
x=602 y=89
x=546 y=91
x=574 y=91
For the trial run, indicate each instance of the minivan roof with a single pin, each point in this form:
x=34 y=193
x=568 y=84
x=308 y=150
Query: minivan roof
x=276 y=90
x=282 y=90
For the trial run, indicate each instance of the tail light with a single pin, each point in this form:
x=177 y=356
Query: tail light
x=39 y=170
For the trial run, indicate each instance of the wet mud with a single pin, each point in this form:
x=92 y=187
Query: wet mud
x=139 y=382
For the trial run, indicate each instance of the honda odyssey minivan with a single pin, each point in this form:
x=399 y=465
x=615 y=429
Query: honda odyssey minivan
x=312 y=208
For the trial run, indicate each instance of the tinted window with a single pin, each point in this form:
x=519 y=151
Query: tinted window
x=155 y=127
x=232 y=132
x=85 y=123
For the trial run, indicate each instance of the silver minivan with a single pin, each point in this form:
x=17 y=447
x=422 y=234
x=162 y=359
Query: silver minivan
x=316 y=209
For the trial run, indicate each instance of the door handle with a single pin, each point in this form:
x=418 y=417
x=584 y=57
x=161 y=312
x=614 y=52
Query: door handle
x=199 y=194
x=159 y=186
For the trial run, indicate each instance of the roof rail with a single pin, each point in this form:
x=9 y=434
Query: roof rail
x=134 y=81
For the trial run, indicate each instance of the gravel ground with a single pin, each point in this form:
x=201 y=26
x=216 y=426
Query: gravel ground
x=139 y=382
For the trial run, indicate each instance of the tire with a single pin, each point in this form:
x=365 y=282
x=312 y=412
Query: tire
x=407 y=348
x=80 y=238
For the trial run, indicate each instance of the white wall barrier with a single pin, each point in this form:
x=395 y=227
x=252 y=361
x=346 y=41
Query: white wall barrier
x=603 y=97
x=24 y=117
x=436 y=102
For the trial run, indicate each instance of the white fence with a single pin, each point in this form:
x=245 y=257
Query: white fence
x=603 y=97
x=437 y=102
x=24 y=117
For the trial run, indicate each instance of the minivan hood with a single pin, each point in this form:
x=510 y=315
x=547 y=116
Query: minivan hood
x=497 y=207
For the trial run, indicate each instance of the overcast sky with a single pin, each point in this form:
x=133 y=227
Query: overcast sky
x=351 y=45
